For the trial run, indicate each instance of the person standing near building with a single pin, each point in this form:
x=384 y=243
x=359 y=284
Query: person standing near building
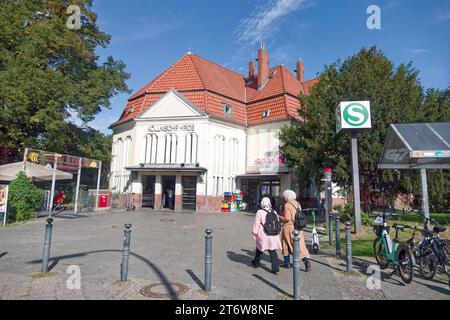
x=264 y=241
x=287 y=238
x=169 y=193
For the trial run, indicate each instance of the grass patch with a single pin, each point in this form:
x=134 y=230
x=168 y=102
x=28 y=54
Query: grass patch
x=441 y=218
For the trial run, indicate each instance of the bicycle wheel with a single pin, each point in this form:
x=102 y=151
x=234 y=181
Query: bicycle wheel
x=427 y=262
x=405 y=265
x=379 y=251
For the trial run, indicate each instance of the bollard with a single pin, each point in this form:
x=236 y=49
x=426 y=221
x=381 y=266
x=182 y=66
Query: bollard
x=348 y=240
x=208 y=259
x=47 y=244
x=338 y=237
x=330 y=228
x=125 y=253
x=296 y=267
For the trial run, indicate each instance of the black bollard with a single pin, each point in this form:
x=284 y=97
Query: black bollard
x=125 y=253
x=296 y=267
x=338 y=237
x=348 y=241
x=47 y=244
x=330 y=228
x=208 y=259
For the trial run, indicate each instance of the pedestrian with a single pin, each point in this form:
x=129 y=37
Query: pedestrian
x=265 y=241
x=287 y=238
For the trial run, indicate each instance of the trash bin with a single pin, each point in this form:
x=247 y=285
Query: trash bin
x=103 y=201
x=104 y=198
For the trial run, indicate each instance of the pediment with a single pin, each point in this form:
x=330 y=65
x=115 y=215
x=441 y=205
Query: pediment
x=172 y=105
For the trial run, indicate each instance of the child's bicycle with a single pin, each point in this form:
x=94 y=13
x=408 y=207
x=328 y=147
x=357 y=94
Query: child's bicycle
x=387 y=251
x=315 y=245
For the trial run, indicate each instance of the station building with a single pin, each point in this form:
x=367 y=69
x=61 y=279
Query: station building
x=199 y=129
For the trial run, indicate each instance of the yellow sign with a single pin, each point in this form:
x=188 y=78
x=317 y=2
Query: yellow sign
x=33 y=157
x=93 y=164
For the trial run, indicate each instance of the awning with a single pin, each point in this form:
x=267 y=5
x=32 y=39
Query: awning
x=147 y=167
x=36 y=172
x=417 y=146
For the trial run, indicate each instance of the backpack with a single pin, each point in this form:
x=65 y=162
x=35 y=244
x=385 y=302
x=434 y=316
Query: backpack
x=300 y=219
x=272 y=226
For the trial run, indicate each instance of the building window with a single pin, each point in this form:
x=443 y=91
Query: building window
x=228 y=109
x=266 y=113
x=151 y=148
x=170 y=147
x=191 y=148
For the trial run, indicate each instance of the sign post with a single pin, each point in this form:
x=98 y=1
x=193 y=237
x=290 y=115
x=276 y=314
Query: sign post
x=328 y=198
x=354 y=116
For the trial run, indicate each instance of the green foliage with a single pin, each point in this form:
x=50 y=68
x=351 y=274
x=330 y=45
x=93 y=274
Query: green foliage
x=396 y=97
x=50 y=76
x=24 y=197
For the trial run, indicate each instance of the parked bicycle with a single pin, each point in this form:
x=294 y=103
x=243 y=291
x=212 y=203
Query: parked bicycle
x=433 y=251
x=387 y=251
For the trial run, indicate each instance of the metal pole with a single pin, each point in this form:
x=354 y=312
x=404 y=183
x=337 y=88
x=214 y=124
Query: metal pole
x=47 y=244
x=338 y=236
x=208 y=259
x=348 y=241
x=296 y=266
x=356 y=195
x=98 y=185
x=78 y=186
x=425 y=207
x=330 y=228
x=125 y=253
x=25 y=154
x=328 y=196
x=52 y=192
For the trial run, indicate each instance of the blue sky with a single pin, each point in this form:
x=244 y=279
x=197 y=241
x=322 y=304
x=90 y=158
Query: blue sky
x=149 y=36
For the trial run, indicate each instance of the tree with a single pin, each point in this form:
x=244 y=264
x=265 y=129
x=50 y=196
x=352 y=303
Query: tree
x=50 y=74
x=396 y=97
x=24 y=197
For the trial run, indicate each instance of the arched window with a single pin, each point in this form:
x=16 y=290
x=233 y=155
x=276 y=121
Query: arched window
x=128 y=152
x=191 y=148
x=149 y=153
x=170 y=148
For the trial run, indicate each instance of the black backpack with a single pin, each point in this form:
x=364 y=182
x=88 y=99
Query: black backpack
x=300 y=219
x=272 y=226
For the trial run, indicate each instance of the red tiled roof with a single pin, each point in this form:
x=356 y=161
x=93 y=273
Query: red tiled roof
x=209 y=85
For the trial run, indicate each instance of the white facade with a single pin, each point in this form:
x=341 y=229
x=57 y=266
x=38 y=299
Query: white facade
x=175 y=132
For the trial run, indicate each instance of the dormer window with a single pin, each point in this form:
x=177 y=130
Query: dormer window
x=228 y=109
x=266 y=113
x=130 y=110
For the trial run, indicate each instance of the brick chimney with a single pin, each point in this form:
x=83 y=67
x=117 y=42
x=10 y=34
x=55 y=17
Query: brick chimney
x=251 y=69
x=263 y=66
x=300 y=71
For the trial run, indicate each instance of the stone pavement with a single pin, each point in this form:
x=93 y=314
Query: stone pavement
x=167 y=251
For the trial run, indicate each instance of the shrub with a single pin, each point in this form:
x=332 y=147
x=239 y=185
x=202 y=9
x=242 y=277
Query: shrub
x=24 y=197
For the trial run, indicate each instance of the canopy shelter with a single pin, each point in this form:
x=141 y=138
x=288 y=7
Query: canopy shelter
x=417 y=146
x=35 y=172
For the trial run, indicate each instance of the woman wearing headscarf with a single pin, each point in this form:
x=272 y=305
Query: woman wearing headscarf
x=263 y=241
x=287 y=238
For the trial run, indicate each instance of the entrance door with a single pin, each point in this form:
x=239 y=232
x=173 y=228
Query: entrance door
x=148 y=194
x=168 y=192
x=189 y=193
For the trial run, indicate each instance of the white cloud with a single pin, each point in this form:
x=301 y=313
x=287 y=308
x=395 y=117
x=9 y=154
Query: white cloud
x=261 y=24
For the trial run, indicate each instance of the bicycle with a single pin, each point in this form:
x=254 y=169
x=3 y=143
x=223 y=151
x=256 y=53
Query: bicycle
x=432 y=251
x=387 y=251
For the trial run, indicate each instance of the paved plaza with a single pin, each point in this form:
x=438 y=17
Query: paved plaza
x=167 y=251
